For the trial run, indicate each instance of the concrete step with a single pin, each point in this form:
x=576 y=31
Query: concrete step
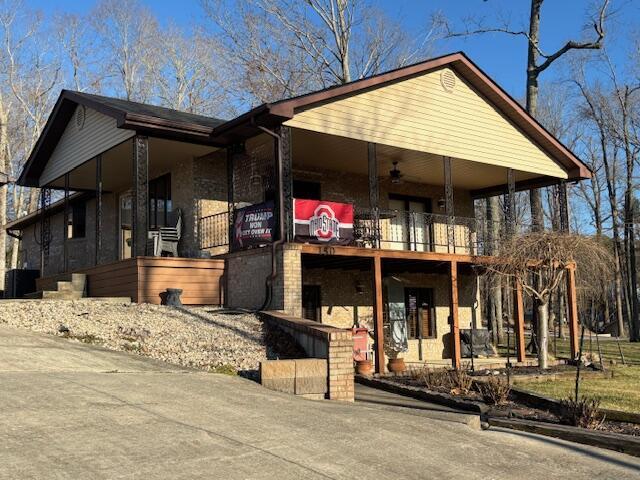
x=61 y=295
x=66 y=286
x=79 y=281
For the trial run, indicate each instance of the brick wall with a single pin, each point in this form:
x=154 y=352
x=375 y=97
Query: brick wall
x=320 y=341
x=342 y=304
x=247 y=272
x=81 y=251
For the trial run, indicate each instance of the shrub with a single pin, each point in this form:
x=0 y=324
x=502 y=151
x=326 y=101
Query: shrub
x=495 y=390
x=583 y=413
x=461 y=381
x=451 y=381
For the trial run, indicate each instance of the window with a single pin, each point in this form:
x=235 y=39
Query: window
x=306 y=190
x=76 y=222
x=420 y=313
x=159 y=201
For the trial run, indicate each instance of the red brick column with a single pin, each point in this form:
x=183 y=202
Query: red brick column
x=341 y=366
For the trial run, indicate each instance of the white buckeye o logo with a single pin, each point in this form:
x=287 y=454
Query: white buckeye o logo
x=324 y=225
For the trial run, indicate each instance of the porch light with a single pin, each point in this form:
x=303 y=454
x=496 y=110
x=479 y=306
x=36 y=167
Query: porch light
x=442 y=203
x=360 y=288
x=395 y=174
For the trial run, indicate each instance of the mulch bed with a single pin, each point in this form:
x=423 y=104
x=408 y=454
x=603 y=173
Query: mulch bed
x=514 y=409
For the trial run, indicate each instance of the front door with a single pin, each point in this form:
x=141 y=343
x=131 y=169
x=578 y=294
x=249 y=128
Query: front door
x=409 y=226
x=124 y=220
x=311 y=302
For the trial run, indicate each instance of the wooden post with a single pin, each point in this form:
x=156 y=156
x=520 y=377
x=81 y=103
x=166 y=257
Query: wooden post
x=98 y=239
x=519 y=323
x=230 y=194
x=378 y=315
x=573 y=310
x=140 y=204
x=456 y=359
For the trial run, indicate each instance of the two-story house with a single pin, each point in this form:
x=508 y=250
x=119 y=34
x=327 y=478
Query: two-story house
x=353 y=205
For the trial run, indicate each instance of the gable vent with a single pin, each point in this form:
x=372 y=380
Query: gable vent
x=447 y=80
x=81 y=115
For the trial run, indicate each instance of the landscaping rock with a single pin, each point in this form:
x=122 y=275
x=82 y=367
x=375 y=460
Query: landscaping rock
x=208 y=338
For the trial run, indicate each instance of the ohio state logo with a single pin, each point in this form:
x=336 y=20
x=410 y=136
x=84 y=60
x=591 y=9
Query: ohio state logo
x=324 y=225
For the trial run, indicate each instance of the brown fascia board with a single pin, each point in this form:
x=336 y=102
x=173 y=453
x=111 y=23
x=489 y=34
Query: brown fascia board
x=522 y=185
x=286 y=109
x=63 y=110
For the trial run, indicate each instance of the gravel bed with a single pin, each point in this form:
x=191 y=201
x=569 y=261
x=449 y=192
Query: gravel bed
x=207 y=338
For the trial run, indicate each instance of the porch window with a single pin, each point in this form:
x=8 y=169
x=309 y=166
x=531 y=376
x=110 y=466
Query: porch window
x=159 y=201
x=76 y=224
x=420 y=313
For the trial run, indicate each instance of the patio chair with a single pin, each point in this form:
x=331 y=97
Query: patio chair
x=169 y=236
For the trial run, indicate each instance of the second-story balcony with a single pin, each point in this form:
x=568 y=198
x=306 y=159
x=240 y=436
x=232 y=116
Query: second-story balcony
x=391 y=230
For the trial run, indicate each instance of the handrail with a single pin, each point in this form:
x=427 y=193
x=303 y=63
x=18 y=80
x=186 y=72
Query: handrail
x=213 y=230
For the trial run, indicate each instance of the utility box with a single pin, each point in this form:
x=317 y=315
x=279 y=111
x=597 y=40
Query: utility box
x=19 y=282
x=360 y=344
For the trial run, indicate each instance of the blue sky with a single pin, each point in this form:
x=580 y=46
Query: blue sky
x=501 y=56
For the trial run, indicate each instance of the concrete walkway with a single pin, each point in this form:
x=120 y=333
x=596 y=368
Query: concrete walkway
x=69 y=410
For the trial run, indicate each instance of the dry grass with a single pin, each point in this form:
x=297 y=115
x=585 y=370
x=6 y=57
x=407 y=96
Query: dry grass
x=621 y=392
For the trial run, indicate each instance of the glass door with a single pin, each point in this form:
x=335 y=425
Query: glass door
x=125 y=230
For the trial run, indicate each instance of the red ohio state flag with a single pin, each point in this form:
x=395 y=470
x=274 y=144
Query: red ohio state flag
x=317 y=221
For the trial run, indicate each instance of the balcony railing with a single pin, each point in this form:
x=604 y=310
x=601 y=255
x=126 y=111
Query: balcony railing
x=213 y=231
x=424 y=232
x=392 y=230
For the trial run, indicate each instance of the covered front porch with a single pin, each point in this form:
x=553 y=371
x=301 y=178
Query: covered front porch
x=434 y=298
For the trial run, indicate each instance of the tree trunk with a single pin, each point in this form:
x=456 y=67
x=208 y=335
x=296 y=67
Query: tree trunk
x=543 y=334
x=4 y=164
x=493 y=226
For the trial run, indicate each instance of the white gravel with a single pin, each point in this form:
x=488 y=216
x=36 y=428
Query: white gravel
x=204 y=337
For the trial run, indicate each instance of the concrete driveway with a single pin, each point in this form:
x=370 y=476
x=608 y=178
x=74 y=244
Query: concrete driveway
x=69 y=410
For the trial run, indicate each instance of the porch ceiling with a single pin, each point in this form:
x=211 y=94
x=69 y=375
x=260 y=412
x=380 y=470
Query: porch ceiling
x=313 y=150
x=164 y=155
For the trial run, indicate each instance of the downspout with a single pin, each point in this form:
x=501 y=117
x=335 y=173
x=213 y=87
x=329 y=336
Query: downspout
x=281 y=233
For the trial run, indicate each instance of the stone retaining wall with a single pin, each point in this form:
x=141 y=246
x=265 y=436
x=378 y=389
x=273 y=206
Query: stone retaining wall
x=323 y=341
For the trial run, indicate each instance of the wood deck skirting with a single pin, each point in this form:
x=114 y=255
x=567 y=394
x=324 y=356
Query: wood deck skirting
x=143 y=279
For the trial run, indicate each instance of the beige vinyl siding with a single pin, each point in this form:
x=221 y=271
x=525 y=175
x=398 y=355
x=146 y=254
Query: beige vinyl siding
x=77 y=146
x=418 y=114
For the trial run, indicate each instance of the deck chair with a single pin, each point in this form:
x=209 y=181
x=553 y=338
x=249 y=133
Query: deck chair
x=169 y=236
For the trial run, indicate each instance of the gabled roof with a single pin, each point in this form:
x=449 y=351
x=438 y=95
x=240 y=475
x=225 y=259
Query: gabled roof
x=147 y=119
x=277 y=112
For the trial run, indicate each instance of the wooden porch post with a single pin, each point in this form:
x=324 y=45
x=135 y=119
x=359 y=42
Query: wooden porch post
x=573 y=310
x=140 y=204
x=98 y=238
x=378 y=312
x=519 y=323
x=456 y=358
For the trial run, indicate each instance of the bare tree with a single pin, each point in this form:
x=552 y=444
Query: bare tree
x=538 y=61
x=281 y=48
x=128 y=39
x=538 y=261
